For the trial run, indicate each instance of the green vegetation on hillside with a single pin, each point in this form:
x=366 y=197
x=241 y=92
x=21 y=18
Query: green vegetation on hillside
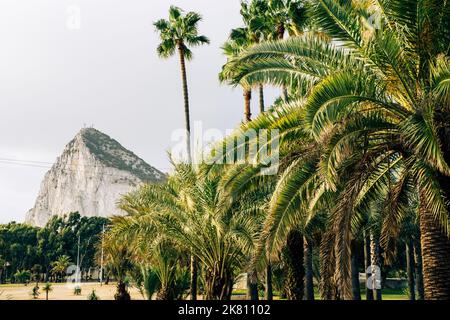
x=113 y=154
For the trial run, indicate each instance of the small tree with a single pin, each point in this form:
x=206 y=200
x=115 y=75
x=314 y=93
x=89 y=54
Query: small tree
x=35 y=292
x=22 y=276
x=47 y=288
x=93 y=296
x=77 y=291
x=59 y=267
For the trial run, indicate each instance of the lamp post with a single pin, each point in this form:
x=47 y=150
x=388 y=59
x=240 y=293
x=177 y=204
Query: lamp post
x=7 y=264
x=101 y=262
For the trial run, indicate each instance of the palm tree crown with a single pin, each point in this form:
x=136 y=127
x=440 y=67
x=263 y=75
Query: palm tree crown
x=180 y=31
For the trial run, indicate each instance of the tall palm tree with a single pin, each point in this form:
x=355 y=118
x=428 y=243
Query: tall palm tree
x=286 y=15
x=255 y=19
x=178 y=33
x=239 y=40
x=378 y=103
x=255 y=30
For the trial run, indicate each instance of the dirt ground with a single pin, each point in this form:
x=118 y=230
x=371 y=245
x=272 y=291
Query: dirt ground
x=62 y=291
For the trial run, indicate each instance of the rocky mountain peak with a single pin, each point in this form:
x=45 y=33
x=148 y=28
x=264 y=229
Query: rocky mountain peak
x=90 y=176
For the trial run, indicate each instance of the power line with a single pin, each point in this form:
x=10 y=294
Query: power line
x=33 y=161
x=77 y=167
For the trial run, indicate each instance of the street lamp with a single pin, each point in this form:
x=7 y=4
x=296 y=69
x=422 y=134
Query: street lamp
x=6 y=265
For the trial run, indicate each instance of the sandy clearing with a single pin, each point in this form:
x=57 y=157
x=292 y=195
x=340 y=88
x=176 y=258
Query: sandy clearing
x=62 y=291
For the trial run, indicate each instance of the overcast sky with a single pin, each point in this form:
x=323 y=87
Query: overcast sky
x=56 y=77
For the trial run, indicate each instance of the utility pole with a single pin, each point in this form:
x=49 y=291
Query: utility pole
x=101 y=258
x=77 y=279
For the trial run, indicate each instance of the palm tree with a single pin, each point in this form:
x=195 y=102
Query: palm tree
x=254 y=31
x=378 y=104
x=159 y=261
x=165 y=275
x=117 y=258
x=286 y=222
x=47 y=288
x=93 y=296
x=406 y=228
x=268 y=290
x=35 y=292
x=419 y=269
x=367 y=263
x=59 y=267
x=195 y=212
x=295 y=272
x=255 y=20
x=356 y=288
x=22 y=276
x=286 y=15
x=177 y=34
x=238 y=40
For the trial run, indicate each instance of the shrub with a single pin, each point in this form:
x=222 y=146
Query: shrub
x=93 y=296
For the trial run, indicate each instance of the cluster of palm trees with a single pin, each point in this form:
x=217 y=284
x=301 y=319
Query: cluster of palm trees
x=364 y=146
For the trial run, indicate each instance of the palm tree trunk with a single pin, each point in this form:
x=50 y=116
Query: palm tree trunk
x=194 y=276
x=284 y=94
x=186 y=101
x=247 y=107
x=367 y=264
x=280 y=32
x=376 y=261
x=409 y=250
x=435 y=256
x=295 y=271
x=122 y=293
x=261 y=98
x=218 y=284
x=252 y=285
x=356 y=290
x=165 y=293
x=309 y=284
x=419 y=271
x=269 y=287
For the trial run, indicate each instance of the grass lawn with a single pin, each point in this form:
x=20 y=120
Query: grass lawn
x=388 y=294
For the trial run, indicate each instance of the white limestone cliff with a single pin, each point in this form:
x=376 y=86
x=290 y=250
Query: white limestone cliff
x=89 y=177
